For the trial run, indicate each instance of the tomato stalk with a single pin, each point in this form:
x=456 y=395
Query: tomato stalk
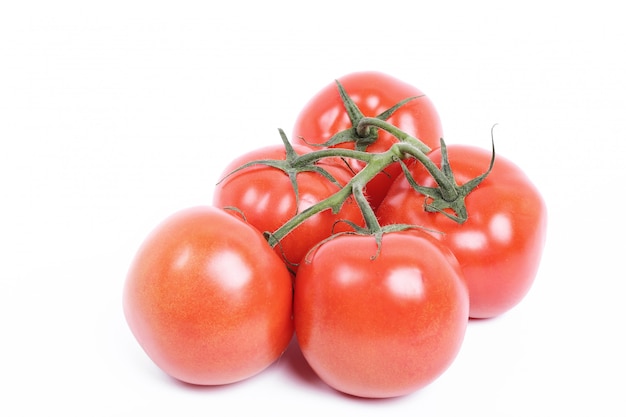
x=314 y=156
x=447 y=196
x=375 y=164
x=371 y=221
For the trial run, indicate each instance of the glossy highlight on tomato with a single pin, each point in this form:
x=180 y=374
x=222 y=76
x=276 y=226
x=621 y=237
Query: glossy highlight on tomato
x=207 y=298
x=381 y=327
x=373 y=92
x=500 y=245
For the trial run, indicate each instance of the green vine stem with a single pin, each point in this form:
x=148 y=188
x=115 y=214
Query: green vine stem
x=314 y=156
x=371 y=221
x=447 y=198
x=376 y=163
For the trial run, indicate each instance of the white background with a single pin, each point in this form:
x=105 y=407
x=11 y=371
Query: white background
x=115 y=114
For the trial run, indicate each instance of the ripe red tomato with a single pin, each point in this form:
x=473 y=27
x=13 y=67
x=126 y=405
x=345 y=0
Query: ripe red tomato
x=500 y=245
x=265 y=196
x=208 y=299
x=381 y=327
x=373 y=92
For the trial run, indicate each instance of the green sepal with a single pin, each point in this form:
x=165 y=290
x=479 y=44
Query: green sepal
x=361 y=140
x=364 y=231
x=435 y=202
x=292 y=165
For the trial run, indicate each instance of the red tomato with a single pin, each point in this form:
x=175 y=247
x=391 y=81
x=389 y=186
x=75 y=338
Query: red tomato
x=207 y=298
x=499 y=247
x=373 y=92
x=381 y=327
x=266 y=198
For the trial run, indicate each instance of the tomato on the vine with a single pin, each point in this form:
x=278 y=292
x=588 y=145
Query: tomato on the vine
x=380 y=324
x=373 y=93
x=264 y=195
x=500 y=244
x=208 y=299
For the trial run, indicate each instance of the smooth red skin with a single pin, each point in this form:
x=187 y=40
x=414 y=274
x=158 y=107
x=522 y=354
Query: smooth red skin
x=266 y=198
x=500 y=245
x=373 y=92
x=364 y=336
x=207 y=298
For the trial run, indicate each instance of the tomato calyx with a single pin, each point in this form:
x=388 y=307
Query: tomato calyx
x=366 y=231
x=449 y=197
x=368 y=123
x=372 y=225
x=292 y=165
x=364 y=130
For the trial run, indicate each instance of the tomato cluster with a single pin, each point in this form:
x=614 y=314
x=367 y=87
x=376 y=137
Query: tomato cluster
x=365 y=234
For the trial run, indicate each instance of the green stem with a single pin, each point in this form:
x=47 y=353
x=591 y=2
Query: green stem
x=333 y=202
x=311 y=157
x=365 y=123
x=371 y=221
x=376 y=162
